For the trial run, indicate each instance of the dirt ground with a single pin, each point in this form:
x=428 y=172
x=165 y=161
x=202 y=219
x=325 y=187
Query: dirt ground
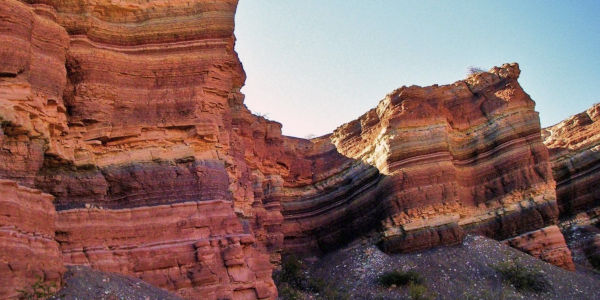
x=83 y=283
x=459 y=272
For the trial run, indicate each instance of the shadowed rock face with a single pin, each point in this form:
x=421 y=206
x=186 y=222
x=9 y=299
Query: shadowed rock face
x=129 y=114
x=574 y=146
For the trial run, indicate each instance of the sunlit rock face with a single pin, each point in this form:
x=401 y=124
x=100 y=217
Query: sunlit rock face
x=28 y=248
x=548 y=244
x=428 y=165
x=128 y=113
x=574 y=146
x=127 y=116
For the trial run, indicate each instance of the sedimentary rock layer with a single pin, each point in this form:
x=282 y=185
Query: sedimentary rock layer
x=126 y=109
x=194 y=248
x=29 y=252
x=547 y=244
x=426 y=166
x=574 y=146
x=130 y=114
x=32 y=79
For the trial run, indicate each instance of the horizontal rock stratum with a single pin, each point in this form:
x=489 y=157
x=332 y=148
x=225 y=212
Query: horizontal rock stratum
x=574 y=146
x=128 y=117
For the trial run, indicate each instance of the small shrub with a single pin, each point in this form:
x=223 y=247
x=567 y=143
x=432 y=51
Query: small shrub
x=400 y=278
x=292 y=282
x=595 y=261
x=472 y=70
x=331 y=293
x=291 y=271
x=38 y=290
x=418 y=292
x=522 y=278
x=262 y=115
x=288 y=293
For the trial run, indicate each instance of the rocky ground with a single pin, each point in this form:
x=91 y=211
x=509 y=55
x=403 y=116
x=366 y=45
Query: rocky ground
x=82 y=283
x=460 y=272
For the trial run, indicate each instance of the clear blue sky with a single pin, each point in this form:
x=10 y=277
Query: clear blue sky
x=315 y=64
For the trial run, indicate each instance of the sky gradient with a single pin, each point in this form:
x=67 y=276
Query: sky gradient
x=313 y=65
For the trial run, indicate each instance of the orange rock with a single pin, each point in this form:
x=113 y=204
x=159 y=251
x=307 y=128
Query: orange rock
x=131 y=116
x=427 y=165
x=28 y=250
x=192 y=248
x=574 y=146
x=547 y=244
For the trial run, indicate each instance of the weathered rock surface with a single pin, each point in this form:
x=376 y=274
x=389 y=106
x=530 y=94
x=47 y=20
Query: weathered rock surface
x=427 y=166
x=124 y=112
x=130 y=114
x=584 y=242
x=28 y=250
x=574 y=146
x=194 y=248
x=547 y=244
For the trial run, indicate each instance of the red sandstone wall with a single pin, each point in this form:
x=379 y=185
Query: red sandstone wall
x=125 y=109
x=131 y=116
x=427 y=165
x=547 y=244
x=194 y=248
x=574 y=146
x=28 y=249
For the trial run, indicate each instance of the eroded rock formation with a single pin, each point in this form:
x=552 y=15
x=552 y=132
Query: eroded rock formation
x=547 y=244
x=574 y=146
x=430 y=163
x=124 y=111
x=28 y=250
x=129 y=114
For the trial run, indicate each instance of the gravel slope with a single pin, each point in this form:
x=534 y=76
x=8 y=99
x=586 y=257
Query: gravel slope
x=83 y=283
x=461 y=272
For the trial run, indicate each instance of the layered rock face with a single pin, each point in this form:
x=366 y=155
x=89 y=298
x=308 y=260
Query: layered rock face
x=28 y=250
x=574 y=146
x=129 y=114
x=547 y=244
x=427 y=166
x=124 y=112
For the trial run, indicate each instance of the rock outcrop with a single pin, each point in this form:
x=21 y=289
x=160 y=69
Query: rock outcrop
x=124 y=112
x=574 y=146
x=427 y=166
x=129 y=114
x=29 y=252
x=547 y=244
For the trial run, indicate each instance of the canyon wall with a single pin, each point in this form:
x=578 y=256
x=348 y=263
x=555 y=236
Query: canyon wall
x=29 y=252
x=124 y=112
x=427 y=166
x=574 y=146
x=124 y=123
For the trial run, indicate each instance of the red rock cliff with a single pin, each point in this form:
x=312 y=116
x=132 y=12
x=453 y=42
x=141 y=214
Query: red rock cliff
x=129 y=114
x=124 y=111
x=427 y=166
x=574 y=146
